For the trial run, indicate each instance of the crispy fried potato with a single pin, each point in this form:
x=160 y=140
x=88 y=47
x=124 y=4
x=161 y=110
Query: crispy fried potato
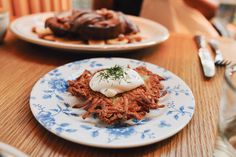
x=117 y=41
x=49 y=37
x=41 y=32
x=47 y=34
x=96 y=42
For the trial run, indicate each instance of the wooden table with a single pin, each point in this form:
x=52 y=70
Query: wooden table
x=22 y=64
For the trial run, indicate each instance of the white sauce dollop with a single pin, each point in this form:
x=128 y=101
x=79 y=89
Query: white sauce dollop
x=111 y=87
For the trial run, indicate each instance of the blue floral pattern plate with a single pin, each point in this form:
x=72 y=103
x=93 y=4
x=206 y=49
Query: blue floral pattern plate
x=51 y=104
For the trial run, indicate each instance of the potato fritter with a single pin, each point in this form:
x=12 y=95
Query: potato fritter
x=134 y=104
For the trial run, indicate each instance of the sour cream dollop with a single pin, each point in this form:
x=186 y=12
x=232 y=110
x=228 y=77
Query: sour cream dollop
x=110 y=86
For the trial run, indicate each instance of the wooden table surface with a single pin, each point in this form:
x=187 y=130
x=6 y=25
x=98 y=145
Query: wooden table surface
x=22 y=64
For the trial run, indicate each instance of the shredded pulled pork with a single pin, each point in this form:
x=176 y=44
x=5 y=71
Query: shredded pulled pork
x=133 y=104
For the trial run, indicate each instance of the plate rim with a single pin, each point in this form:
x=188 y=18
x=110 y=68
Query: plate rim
x=12 y=150
x=98 y=48
x=109 y=145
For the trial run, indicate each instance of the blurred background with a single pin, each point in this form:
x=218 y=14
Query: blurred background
x=209 y=17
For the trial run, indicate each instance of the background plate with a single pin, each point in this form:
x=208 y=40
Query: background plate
x=153 y=32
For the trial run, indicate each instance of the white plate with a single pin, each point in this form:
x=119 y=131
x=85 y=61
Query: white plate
x=9 y=151
x=153 y=32
x=50 y=103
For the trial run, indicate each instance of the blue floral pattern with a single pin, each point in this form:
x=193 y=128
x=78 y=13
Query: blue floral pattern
x=163 y=124
x=59 y=85
x=140 y=122
x=51 y=105
x=55 y=72
x=94 y=131
x=180 y=111
x=56 y=86
x=119 y=131
x=177 y=90
x=115 y=133
x=47 y=118
x=147 y=134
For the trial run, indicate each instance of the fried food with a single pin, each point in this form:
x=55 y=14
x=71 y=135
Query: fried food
x=98 y=27
x=92 y=25
x=134 y=104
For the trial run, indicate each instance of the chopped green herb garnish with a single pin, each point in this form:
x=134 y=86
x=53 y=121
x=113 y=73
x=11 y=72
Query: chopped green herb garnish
x=114 y=73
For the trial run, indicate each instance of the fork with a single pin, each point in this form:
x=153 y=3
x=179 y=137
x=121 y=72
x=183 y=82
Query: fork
x=218 y=58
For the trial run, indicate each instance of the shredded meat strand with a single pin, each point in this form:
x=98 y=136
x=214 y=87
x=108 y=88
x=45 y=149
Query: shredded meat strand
x=128 y=105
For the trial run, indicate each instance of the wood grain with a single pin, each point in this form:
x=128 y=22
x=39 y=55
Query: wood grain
x=56 y=5
x=35 y=6
x=22 y=64
x=69 y=4
x=23 y=7
x=46 y=5
x=64 y=5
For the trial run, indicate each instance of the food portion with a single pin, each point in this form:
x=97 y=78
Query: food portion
x=115 y=80
x=117 y=94
x=91 y=27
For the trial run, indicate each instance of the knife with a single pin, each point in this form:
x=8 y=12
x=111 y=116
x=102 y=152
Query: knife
x=205 y=57
x=214 y=45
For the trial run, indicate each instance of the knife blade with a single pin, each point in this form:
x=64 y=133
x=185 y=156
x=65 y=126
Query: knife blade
x=214 y=45
x=205 y=57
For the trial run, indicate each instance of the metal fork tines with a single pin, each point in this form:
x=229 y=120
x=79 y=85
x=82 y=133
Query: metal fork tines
x=223 y=62
x=218 y=58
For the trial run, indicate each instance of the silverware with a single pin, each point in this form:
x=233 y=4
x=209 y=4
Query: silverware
x=205 y=57
x=224 y=62
x=218 y=58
